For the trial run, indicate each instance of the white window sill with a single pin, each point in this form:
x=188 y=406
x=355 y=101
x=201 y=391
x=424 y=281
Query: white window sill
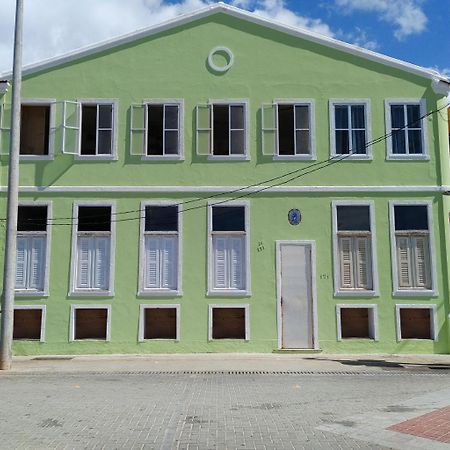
x=294 y=158
x=228 y=158
x=36 y=157
x=228 y=293
x=159 y=293
x=346 y=157
x=229 y=339
x=89 y=340
x=417 y=340
x=162 y=158
x=358 y=339
x=91 y=293
x=30 y=293
x=402 y=157
x=415 y=293
x=95 y=158
x=356 y=293
x=159 y=340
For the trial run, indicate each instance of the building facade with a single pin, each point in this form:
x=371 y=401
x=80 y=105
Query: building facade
x=223 y=183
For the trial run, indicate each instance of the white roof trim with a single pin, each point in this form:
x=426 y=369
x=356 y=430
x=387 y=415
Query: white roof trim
x=240 y=14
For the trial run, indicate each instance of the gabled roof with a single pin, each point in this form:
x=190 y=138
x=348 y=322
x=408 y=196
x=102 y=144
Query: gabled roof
x=440 y=82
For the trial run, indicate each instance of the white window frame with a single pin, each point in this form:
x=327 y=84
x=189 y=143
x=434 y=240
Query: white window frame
x=74 y=308
x=142 y=309
x=48 y=234
x=396 y=291
x=368 y=121
x=312 y=129
x=229 y=292
x=115 y=110
x=231 y=102
x=74 y=291
x=373 y=320
x=421 y=102
x=433 y=321
x=51 y=102
x=165 y=102
x=244 y=306
x=142 y=291
x=42 y=308
x=338 y=291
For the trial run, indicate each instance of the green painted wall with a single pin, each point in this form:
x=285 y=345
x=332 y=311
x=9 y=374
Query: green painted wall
x=268 y=65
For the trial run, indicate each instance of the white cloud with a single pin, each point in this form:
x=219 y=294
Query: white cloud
x=54 y=27
x=360 y=38
x=406 y=15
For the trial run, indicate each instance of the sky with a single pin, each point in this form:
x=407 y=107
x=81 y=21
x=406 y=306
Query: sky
x=416 y=31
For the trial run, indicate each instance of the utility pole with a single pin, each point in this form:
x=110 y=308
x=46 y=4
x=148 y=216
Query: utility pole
x=9 y=274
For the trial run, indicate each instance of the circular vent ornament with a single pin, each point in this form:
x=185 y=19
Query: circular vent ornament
x=294 y=216
x=228 y=56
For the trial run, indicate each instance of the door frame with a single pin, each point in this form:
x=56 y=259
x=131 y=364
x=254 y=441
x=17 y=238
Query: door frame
x=312 y=246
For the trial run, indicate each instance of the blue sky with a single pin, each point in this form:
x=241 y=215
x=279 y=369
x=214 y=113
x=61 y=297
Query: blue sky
x=417 y=31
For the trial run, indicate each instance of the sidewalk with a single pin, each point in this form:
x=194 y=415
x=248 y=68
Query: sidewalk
x=223 y=362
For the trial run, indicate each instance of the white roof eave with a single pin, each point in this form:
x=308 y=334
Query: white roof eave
x=309 y=35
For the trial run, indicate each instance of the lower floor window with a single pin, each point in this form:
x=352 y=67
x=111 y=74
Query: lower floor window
x=93 y=262
x=90 y=322
x=30 y=263
x=29 y=323
x=229 y=322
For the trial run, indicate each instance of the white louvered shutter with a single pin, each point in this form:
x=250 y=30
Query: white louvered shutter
x=169 y=263
x=236 y=251
x=101 y=263
x=421 y=262
x=363 y=269
x=346 y=262
x=204 y=129
x=221 y=277
x=152 y=271
x=21 y=262
x=269 y=129
x=404 y=261
x=37 y=263
x=85 y=245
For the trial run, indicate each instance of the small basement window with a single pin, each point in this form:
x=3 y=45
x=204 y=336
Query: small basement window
x=229 y=323
x=160 y=323
x=35 y=130
x=27 y=324
x=415 y=323
x=356 y=323
x=90 y=323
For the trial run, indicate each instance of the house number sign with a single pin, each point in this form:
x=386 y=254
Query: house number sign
x=229 y=56
x=294 y=216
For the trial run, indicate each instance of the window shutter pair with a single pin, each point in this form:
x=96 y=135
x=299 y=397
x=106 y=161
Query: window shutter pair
x=93 y=262
x=161 y=262
x=228 y=262
x=5 y=128
x=355 y=262
x=30 y=262
x=413 y=262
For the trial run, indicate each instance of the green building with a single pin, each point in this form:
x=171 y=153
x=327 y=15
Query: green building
x=223 y=183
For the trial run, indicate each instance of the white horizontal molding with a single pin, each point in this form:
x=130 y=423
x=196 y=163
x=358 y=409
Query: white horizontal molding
x=228 y=190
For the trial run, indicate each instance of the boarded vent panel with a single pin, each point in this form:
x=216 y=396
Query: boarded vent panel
x=355 y=323
x=415 y=323
x=90 y=323
x=228 y=323
x=160 y=323
x=27 y=324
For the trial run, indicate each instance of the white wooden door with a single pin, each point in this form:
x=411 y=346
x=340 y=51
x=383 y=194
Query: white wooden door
x=296 y=295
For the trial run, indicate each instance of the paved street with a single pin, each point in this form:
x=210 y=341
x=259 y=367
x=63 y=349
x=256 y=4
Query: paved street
x=223 y=410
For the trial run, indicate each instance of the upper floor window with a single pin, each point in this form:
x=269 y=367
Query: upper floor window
x=89 y=129
x=160 y=249
x=32 y=249
x=354 y=259
x=156 y=129
x=222 y=129
x=228 y=249
x=350 y=128
x=287 y=129
x=91 y=266
x=406 y=129
x=411 y=248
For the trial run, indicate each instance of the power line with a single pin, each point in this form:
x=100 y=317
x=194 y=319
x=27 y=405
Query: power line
x=319 y=165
